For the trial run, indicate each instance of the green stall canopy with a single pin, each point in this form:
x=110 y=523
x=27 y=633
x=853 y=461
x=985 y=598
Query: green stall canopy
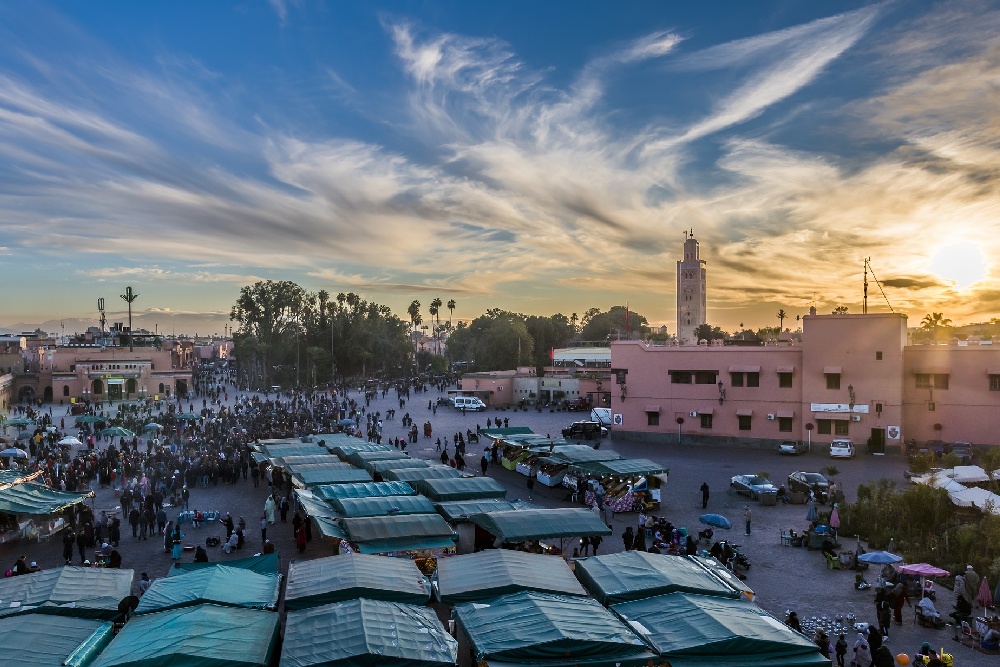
x=221 y=585
x=495 y=572
x=363 y=490
x=315 y=506
x=312 y=583
x=460 y=510
x=701 y=631
x=288 y=449
x=540 y=524
x=460 y=488
x=37 y=499
x=411 y=475
x=350 y=444
x=633 y=575
x=383 y=534
x=363 y=633
x=321 y=473
x=581 y=454
x=384 y=506
x=360 y=458
x=291 y=462
x=501 y=433
x=264 y=564
x=51 y=642
x=329 y=528
x=202 y=636
x=621 y=468
x=540 y=628
x=84 y=592
x=383 y=466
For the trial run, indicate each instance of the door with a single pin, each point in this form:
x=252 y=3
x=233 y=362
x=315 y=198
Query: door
x=876 y=443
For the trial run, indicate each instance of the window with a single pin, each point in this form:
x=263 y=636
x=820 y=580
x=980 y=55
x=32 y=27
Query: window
x=785 y=380
x=785 y=424
x=65 y=390
x=833 y=380
x=940 y=381
x=652 y=419
x=923 y=380
x=705 y=377
x=878 y=355
x=680 y=377
x=736 y=379
x=744 y=423
x=706 y=421
x=840 y=426
x=931 y=406
x=824 y=426
x=753 y=379
x=995 y=383
x=931 y=380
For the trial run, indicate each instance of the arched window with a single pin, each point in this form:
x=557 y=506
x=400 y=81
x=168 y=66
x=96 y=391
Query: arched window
x=65 y=390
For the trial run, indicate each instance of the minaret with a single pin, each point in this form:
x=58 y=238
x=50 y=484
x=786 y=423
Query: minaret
x=691 y=292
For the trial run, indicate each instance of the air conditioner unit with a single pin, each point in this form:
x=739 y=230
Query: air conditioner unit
x=694 y=413
x=770 y=417
x=855 y=418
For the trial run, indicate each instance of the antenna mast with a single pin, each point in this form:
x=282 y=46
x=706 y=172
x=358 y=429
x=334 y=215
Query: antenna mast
x=864 y=303
x=100 y=307
x=877 y=283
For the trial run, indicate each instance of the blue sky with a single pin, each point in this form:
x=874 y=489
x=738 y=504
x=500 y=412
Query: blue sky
x=537 y=157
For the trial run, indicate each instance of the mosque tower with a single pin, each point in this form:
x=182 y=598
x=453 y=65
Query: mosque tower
x=691 y=291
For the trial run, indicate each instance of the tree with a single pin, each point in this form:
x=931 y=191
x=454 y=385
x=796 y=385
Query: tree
x=934 y=321
x=840 y=310
x=547 y=333
x=451 y=310
x=600 y=326
x=267 y=313
x=781 y=319
x=435 y=309
x=709 y=333
x=496 y=340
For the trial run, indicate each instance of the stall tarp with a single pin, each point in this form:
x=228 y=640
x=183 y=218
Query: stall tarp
x=384 y=506
x=690 y=629
x=495 y=572
x=315 y=506
x=359 y=458
x=530 y=627
x=413 y=474
x=312 y=583
x=540 y=524
x=633 y=575
x=501 y=433
x=289 y=463
x=621 y=468
x=329 y=528
x=460 y=488
x=460 y=510
x=37 y=499
x=263 y=564
x=325 y=474
x=383 y=466
x=279 y=450
x=221 y=585
x=84 y=592
x=352 y=444
x=49 y=643
x=363 y=490
x=361 y=633
x=581 y=454
x=202 y=636
x=9 y=477
x=399 y=533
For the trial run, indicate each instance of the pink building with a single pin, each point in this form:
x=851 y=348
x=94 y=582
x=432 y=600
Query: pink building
x=851 y=376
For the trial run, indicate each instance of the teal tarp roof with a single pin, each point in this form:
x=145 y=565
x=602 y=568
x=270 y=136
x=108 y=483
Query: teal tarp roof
x=11 y=476
x=279 y=450
x=352 y=444
x=291 y=462
x=500 y=433
x=399 y=533
x=382 y=466
x=384 y=506
x=312 y=583
x=361 y=633
x=360 y=458
x=202 y=636
x=459 y=510
x=540 y=524
x=633 y=575
x=363 y=490
x=85 y=592
x=532 y=627
x=49 y=643
x=222 y=585
x=460 y=488
x=623 y=467
x=581 y=454
x=411 y=475
x=329 y=528
x=263 y=564
x=495 y=572
x=37 y=499
x=315 y=506
x=325 y=474
x=701 y=630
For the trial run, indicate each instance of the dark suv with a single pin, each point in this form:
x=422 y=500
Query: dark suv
x=584 y=429
x=963 y=450
x=805 y=482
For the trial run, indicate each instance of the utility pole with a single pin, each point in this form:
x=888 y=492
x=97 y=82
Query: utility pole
x=130 y=296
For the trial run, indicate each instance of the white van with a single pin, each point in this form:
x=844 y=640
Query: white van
x=841 y=448
x=473 y=403
x=602 y=416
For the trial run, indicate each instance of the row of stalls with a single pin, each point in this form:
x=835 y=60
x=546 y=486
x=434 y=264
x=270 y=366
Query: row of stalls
x=31 y=510
x=625 y=484
x=961 y=484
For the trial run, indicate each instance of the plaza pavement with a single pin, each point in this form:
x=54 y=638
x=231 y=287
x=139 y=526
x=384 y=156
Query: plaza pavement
x=782 y=577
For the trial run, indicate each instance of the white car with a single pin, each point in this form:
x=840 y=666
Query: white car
x=841 y=448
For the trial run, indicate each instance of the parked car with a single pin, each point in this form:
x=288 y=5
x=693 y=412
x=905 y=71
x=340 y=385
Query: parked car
x=580 y=404
x=792 y=447
x=602 y=416
x=963 y=450
x=584 y=429
x=842 y=448
x=805 y=482
x=752 y=485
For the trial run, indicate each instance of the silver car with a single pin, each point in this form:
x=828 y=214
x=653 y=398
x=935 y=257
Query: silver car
x=792 y=447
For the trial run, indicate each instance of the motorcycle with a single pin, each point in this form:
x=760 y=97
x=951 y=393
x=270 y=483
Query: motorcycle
x=706 y=534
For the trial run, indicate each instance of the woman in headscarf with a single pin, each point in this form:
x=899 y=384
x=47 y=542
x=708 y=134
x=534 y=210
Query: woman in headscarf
x=175 y=538
x=862 y=653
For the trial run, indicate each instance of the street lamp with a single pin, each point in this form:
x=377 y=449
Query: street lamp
x=130 y=296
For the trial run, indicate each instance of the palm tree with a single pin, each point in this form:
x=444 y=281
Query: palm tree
x=933 y=321
x=435 y=309
x=781 y=320
x=451 y=310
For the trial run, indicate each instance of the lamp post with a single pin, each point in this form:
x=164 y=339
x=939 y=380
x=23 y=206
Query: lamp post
x=130 y=296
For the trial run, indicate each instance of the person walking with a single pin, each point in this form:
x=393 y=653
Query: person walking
x=484 y=463
x=628 y=537
x=747 y=517
x=531 y=482
x=704 y=495
x=263 y=528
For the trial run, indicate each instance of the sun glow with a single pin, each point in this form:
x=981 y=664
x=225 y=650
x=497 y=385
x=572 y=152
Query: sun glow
x=962 y=264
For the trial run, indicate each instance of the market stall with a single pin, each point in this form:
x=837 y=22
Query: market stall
x=29 y=510
x=523 y=526
x=495 y=572
x=411 y=475
x=83 y=592
x=628 y=483
x=222 y=585
x=360 y=459
x=455 y=511
x=378 y=468
x=363 y=490
x=328 y=473
x=382 y=506
x=263 y=564
x=415 y=535
x=460 y=488
x=57 y=641
x=315 y=506
x=332 y=579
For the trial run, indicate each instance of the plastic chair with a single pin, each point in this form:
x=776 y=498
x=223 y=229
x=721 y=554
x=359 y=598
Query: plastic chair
x=786 y=538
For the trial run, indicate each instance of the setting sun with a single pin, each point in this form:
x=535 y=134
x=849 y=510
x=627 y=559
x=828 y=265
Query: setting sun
x=960 y=263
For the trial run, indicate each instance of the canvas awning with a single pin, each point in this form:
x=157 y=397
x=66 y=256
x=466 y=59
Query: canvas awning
x=581 y=454
x=382 y=506
x=411 y=475
x=315 y=506
x=744 y=369
x=37 y=499
x=263 y=564
x=277 y=450
x=221 y=585
x=706 y=411
x=383 y=534
x=460 y=488
x=358 y=633
x=383 y=466
x=51 y=642
x=360 y=458
x=202 y=636
x=329 y=528
x=84 y=592
x=541 y=628
x=621 y=468
x=363 y=490
x=786 y=414
x=495 y=572
x=831 y=370
x=785 y=369
x=460 y=510
x=540 y=524
x=312 y=583
x=290 y=462
x=326 y=474
x=931 y=370
x=698 y=630
x=633 y=575
x=744 y=412
x=652 y=408
x=351 y=444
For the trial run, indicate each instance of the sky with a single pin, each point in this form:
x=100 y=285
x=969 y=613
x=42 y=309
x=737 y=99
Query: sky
x=536 y=157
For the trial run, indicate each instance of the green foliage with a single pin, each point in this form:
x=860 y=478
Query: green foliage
x=547 y=333
x=922 y=463
x=830 y=471
x=709 y=333
x=497 y=340
x=600 y=326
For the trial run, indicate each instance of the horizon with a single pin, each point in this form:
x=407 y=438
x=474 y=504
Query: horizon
x=539 y=159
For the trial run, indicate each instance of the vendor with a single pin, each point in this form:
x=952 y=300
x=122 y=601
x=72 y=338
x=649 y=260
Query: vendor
x=963 y=610
x=829 y=548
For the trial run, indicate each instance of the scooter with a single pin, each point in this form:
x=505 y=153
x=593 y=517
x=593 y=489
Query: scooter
x=706 y=534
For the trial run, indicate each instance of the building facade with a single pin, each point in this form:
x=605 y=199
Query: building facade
x=850 y=376
x=692 y=291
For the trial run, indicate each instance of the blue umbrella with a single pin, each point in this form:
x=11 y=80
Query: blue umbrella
x=346 y=422
x=879 y=557
x=715 y=520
